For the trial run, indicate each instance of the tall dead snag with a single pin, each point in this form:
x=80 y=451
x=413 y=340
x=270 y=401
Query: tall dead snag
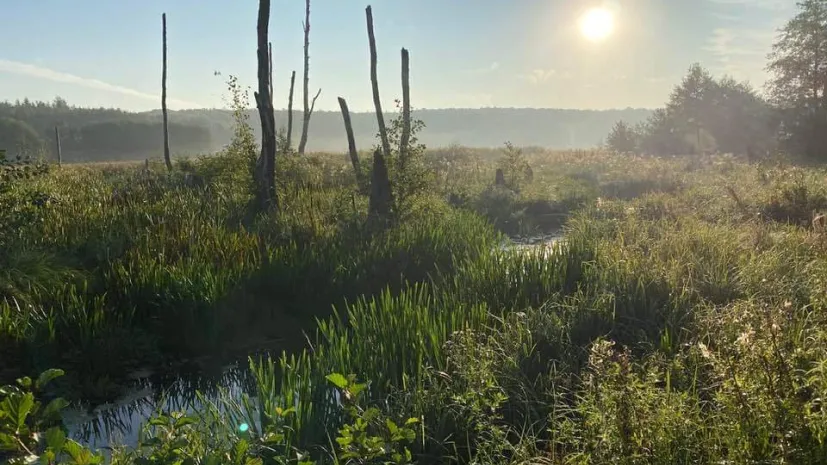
x=308 y=106
x=265 y=167
x=381 y=196
x=351 y=141
x=164 y=93
x=290 y=112
x=374 y=81
x=405 y=137
x=270 y=60
x=57 y=147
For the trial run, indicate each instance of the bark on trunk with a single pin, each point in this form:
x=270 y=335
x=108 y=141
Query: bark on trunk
x=167 y=159
x=351 y=141
x=265 y=168
x=405 y=137
x=290 y=113
x=374 y=81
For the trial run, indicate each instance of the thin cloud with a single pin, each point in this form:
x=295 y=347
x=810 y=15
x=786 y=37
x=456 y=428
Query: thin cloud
x=774 y=5
x=494 y=66
x=26 y=69
x=538 y=76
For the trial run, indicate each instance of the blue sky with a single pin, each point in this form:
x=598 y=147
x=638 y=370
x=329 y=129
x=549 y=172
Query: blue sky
x=464 y=53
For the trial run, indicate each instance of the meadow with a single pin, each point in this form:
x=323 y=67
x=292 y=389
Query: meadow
x=679 y=320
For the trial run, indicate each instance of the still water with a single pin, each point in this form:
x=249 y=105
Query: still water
x=119 y=422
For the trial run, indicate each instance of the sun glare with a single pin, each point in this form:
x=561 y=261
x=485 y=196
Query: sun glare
x=597 y=24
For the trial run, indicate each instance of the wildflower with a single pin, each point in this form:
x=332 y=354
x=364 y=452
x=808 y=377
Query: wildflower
x=745 y=337
x=788 y=304
x=705 y=352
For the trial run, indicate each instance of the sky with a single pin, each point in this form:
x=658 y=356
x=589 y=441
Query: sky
x=464 y=53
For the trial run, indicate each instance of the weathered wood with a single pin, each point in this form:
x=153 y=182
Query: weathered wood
x=374 y=81
x=290 y=112
x=405 y=137
x=306 y=87
x=265 y=167
x=167 y=159
x=270 y=59
x=57 y=147
x=381 y=195
x=351 y=141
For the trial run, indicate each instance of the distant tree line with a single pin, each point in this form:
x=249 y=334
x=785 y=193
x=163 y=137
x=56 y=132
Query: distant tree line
x=27 y=128
x=705 y=114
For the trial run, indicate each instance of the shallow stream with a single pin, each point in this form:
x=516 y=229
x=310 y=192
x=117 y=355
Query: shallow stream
x=119 y=422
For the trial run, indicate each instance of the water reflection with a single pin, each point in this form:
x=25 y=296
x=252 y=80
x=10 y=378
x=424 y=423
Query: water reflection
x=119 y=422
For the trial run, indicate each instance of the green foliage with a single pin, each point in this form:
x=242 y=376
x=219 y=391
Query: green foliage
x=623 y=138
x=410 y=180
x=796 y=86
x=703 y=115
x=515 y=167
x=30 y=431
x=369 y=436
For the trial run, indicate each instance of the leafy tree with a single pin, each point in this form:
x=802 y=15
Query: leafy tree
x=623 y=138
x=798 y=64
x=704 y=114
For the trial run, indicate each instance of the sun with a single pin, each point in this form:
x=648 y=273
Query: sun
x=597 y=24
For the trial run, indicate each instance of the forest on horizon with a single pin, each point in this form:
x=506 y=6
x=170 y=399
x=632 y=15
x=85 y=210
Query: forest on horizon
x=104 y=134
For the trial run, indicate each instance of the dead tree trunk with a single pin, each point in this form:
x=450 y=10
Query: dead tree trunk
x=57 y=147
x=164 y=94
x=270 y=60
x=351 y=141
x=290 y=112
x=405 y=137
x=377 y=102
x=265 y=167
x=308 y=106
x=381 y=196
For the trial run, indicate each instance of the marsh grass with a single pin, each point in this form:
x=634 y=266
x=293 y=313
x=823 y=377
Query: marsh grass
x=674 y=323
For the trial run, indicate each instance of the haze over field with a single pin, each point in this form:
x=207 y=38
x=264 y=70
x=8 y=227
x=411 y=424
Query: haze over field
x=588 y=56
x=433 y=279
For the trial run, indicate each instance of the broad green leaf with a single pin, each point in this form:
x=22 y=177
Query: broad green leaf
x=47 y=376
x=391 y=426
x=48 y=457
x=159 y=421
x=55 y=438
x=25 y=382
x=411 y=421
x=53 y=409
x=19 y=408
x=7 y=442
x=356 y=389
x=184 y=421
x=74 y=450
x=338 y=380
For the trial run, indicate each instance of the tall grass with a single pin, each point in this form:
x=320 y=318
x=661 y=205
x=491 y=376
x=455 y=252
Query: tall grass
x=678 y=321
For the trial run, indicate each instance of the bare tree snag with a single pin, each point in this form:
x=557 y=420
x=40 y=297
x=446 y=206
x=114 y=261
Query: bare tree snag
x=164 y=93
x=405 y=137
x=265 y=167
x=57 y=147
x=377 y=102
x=270 y=59
x=351 y=141
x=306 y=93
x=290 y=112
x=381 y=196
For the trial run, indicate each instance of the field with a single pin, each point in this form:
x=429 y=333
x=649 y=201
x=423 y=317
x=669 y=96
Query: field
x=680 y=319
